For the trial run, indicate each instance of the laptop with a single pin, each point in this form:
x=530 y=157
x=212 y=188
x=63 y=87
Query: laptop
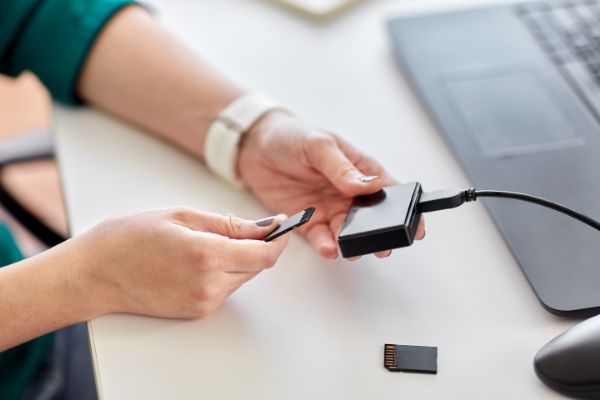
x=515 y=90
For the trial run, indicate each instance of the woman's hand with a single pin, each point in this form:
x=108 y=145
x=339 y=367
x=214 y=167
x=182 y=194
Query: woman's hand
x=290 y=165
x=174 y=263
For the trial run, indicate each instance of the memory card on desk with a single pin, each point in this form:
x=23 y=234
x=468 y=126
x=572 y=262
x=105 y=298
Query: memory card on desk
x=422 y=359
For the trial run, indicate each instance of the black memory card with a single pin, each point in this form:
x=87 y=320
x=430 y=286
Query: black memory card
x=410 y=358
x=291 y=223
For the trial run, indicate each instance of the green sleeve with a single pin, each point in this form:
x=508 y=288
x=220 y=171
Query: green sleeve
x=52 y=39
x=20 y=364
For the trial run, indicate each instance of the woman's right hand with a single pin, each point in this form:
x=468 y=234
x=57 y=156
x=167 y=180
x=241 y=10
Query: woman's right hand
x=173 y=263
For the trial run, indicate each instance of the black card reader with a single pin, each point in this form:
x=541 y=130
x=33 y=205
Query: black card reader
x=381 y=221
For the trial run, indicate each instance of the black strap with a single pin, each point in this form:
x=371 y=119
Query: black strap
x=39 y=229
x=40 y=147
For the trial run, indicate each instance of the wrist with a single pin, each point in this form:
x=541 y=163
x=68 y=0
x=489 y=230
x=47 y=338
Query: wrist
x=255 y=140
x=89 y=279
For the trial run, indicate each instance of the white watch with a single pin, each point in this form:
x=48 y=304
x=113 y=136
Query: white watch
x=221 y=146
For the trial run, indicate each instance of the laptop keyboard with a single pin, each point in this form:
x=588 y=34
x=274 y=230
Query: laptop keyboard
x=569 y=32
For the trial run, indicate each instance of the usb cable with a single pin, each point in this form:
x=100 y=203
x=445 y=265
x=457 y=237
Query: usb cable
x=451 y=198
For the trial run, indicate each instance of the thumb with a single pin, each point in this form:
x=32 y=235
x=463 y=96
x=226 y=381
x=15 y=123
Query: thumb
x=239 y=228
x=332 y=162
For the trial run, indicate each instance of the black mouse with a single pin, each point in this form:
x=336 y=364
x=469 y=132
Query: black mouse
x=570 y=363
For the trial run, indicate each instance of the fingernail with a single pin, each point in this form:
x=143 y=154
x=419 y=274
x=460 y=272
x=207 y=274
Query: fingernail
x=368 y=179
x=264 y=222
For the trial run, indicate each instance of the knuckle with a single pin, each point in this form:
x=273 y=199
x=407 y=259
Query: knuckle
x=345 y=170
x=205 y=308
x=235 y=224
x=320 y=141
x=208 y=293
x=199 y=310
x=270 y=259
x=181 y=212
x=197 y=256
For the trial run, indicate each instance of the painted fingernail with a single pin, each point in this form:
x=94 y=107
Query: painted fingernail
x=368 y=179
x=263 y=222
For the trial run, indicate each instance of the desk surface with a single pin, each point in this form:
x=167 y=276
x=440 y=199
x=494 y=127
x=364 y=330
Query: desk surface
x=311 y=328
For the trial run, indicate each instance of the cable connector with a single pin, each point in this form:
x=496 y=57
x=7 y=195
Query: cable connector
x=445 y=199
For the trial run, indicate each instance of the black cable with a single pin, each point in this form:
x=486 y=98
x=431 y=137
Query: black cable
x=450 y=198
x=537 y=200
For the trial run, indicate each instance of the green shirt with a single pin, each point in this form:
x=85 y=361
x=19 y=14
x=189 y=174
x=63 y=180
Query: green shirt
x=19 y=364
x=52 y=39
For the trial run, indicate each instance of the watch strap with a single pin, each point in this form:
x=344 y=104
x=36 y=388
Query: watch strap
x=221 y=147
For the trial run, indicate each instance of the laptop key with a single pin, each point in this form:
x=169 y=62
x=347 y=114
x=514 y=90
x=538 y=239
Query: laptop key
x=587 y=84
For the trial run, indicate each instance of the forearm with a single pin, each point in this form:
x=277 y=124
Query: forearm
x=136 y=70
x=44 y=293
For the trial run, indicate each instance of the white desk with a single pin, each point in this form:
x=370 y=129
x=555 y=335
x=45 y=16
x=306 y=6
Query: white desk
x=311 y=328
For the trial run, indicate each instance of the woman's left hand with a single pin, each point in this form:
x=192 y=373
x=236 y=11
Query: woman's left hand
x=290 y=165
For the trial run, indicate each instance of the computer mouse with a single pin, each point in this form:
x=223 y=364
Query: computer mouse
x=570 y=363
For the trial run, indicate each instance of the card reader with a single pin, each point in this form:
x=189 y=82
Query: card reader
x=381 y=221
